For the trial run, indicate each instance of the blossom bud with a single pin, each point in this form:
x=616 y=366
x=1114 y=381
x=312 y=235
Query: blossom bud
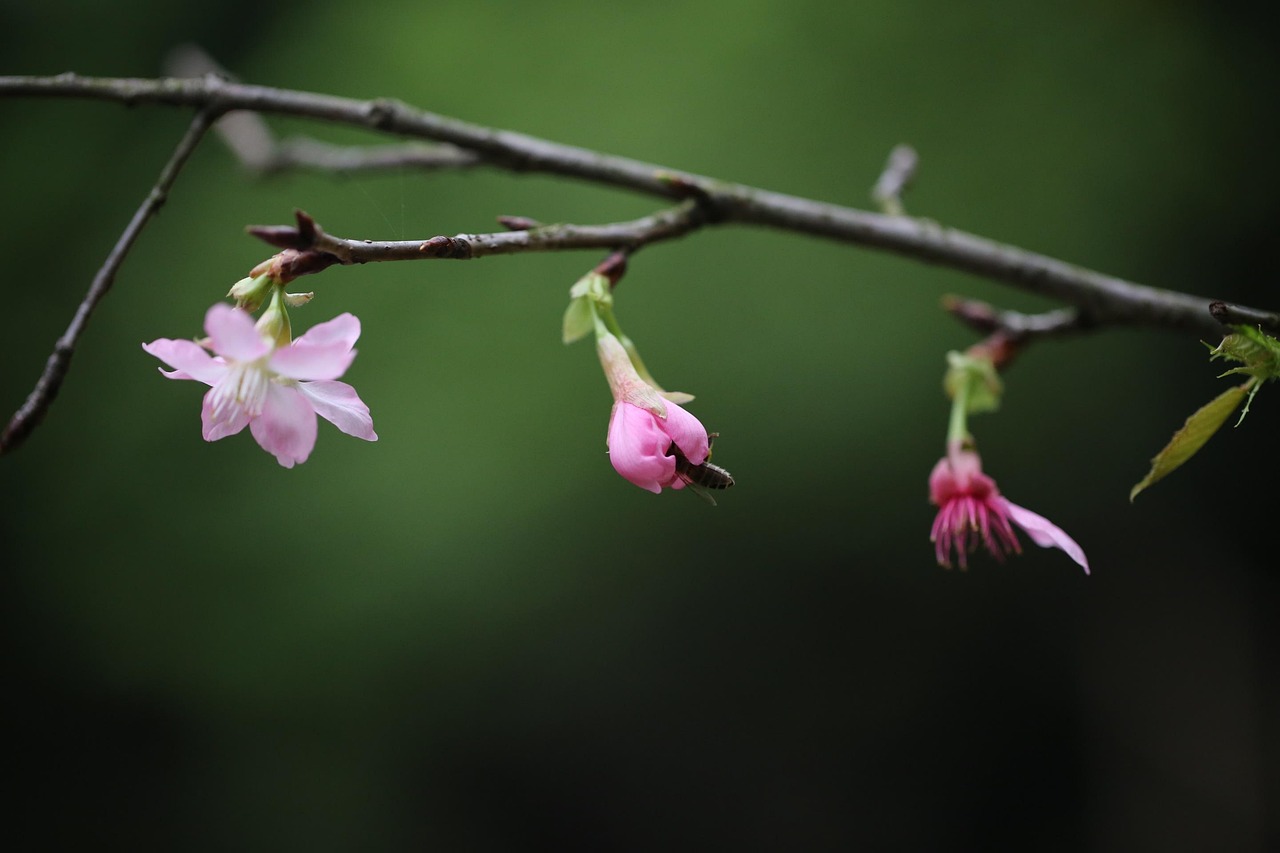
x=250 y=293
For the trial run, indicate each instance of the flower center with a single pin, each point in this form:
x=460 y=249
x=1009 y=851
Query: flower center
x=243 y=388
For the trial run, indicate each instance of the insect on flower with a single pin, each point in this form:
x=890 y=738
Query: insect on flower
x=700 y=478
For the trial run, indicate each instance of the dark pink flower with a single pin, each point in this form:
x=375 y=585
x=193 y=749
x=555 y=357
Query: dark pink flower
x=972 y=510
x=642 y=445
x=646 y=430
x=276 y=391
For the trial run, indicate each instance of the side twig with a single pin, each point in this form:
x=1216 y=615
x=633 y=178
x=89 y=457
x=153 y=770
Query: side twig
x=33 y=409
x=314 y=245
x=898 y=173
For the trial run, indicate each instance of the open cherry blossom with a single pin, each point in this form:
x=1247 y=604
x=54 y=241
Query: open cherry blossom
x=276 y=391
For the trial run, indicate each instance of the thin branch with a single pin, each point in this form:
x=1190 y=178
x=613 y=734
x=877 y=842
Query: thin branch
x=316 y=250
x=1102 y=298
x=33 y=409
x=898 y=173
x=1009 y=333
x=259 y=150
x=988 y=319
x=307 y=153
x=1241 y=315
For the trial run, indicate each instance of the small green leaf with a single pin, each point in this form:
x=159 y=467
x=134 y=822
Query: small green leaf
x=1198 y=429
x=579 y=319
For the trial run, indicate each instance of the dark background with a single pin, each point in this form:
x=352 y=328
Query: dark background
x=472 y=635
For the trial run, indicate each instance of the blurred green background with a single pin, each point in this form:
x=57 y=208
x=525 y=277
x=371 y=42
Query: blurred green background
x=473 y=635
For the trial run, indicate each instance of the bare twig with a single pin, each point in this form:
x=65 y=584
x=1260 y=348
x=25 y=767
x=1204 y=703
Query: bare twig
x=307 y=236
x=1241 y=315
x=894 y=180
x=33 y=409
x=1008 y=333
x=306 y=153
x=988 y=319
x=1104 y=299
x=258 y=149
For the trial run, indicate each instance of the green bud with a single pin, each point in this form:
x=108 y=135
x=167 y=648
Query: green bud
x=250 y=293
x=274 y=322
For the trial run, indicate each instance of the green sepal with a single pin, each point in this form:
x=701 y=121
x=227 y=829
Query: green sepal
x=1198 y=429
x=579 y=319
x=250 y=293
x=677 y=397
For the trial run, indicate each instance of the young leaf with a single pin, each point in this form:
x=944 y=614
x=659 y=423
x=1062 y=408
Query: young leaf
x=1198 y=429
x=579 y=319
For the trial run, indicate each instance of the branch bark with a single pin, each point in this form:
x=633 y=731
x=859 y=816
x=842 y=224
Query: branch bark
x=1100 y=298
x=33 y=409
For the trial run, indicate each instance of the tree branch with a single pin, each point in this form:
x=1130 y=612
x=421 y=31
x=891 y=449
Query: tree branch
x=1104 y=299
x=316 y=250
x=33 y=409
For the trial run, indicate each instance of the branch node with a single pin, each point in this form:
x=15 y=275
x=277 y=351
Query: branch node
x=613 y=267
x=1009 y=332
x=381 y=112
x=454 y=248
x=518 y=223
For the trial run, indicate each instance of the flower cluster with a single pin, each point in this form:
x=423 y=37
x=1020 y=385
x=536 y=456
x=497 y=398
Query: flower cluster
x=261 y=378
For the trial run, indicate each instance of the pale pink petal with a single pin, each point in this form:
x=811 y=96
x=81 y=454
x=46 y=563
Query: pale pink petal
x=287 y=426
x=1045 y=533
x=303 y=362
x=189 y=359
x=212 y=430
x=638 y=447
x=338 y=403
x=233 y=335
x=343 y=329
x=688 y=433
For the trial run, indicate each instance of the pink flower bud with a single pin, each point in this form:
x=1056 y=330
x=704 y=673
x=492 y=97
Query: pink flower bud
x=642 y=445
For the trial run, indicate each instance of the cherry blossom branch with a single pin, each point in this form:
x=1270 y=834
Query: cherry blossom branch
x=33 y=409
x=1102 y=298
x=315 y=250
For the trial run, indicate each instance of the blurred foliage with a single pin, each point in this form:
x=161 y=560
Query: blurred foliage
x=473 y=634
